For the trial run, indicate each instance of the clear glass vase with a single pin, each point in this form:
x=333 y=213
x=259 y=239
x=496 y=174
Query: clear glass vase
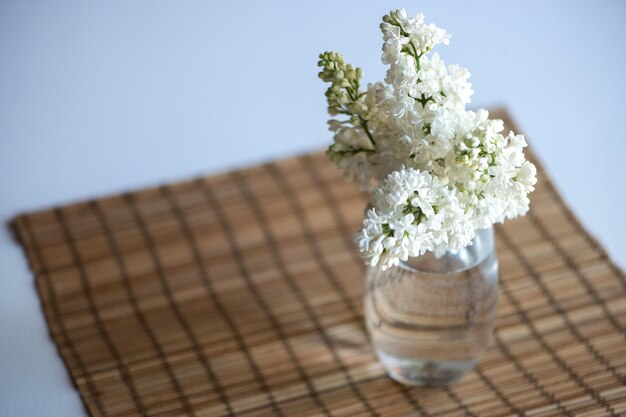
x=429 y=319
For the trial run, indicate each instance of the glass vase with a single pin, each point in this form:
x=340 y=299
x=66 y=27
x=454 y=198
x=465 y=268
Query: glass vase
x=430 y=319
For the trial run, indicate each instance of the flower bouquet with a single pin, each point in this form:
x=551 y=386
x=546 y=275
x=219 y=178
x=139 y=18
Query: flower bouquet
x=440 y=175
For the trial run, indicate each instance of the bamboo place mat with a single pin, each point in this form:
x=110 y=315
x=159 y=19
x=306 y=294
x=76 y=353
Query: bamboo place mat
x=240 y=294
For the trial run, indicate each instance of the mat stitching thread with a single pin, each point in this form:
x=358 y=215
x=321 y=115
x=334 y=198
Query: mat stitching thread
x=245 y=274
x=125 y=372
x=130 y=292
x=280 y=264
x=206 y=280
x=574 y=375
x=60 y=323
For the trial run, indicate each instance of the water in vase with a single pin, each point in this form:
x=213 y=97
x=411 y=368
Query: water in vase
x=430 y=319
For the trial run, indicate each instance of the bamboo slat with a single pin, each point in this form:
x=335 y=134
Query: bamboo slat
x=240 y=294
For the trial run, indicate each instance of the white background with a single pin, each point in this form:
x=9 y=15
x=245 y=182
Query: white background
x=100 y=97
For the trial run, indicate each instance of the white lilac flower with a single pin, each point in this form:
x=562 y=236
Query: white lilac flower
x=412 y=213
x=442 y=171
x=412 y=31
x=491 y=173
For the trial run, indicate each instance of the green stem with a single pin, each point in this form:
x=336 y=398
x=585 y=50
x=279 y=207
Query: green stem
x=367 y=131
x=416 y=56
x=354 y=96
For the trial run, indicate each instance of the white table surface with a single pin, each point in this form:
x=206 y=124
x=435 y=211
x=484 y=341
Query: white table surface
x=101 y=97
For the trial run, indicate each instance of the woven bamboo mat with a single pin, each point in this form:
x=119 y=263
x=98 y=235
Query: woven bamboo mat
x=240 y=294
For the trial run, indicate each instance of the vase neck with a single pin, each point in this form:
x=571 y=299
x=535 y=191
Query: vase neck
x=473 y=254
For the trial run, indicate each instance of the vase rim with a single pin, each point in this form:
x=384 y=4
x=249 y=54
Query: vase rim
x=471 y=255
